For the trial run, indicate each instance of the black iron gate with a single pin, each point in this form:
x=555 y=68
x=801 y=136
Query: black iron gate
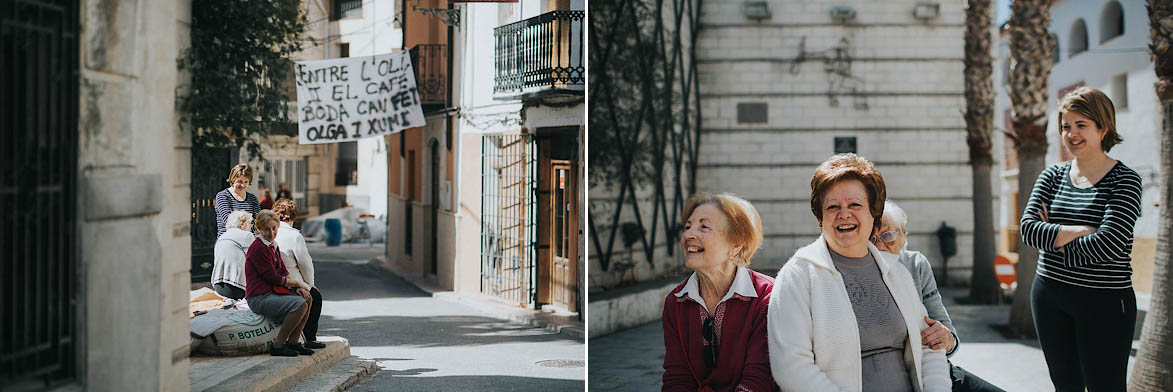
x=209 y=174
x=38 y=187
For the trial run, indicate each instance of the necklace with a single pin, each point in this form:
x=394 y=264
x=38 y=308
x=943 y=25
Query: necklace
x=1081 y=180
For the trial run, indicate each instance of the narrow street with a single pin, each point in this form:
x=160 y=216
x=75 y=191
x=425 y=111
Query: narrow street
x=425 y=343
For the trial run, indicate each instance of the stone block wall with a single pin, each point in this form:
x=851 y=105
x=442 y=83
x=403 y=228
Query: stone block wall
x=889 y=80
x=134 y=203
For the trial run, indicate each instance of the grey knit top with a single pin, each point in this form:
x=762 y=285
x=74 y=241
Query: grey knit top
x=882 y=331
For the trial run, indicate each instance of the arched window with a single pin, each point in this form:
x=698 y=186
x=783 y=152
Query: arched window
x=1078 y=38
x=1055 y=48
x=1111 y=21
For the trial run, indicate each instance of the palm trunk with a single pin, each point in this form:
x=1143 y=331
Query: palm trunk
x=979 y=123
x=1154 y=361
x=1021 y=318
x=1031 y=49
x=984 y=285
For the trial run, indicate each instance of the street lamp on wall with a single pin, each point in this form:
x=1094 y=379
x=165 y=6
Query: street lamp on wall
x=926 y=10
x=756 y=9
x=842 y=13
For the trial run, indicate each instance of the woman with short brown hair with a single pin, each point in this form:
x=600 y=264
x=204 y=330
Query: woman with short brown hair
x=235 y=197
x=1081 y=216
x=715 y=322
x=842 y=314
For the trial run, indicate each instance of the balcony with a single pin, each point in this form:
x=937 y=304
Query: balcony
x=540 y=56
x=430 y=62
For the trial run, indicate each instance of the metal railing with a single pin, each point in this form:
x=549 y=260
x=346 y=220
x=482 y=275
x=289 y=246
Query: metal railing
x=39 y=294
x=542 y=54
x=430 y=62
x=509 y=217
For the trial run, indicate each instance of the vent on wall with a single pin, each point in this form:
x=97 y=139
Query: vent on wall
x=752 y=113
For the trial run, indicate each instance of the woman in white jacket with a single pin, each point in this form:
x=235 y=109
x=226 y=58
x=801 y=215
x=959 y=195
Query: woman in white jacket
x=228 y=255
x=300 y=265
x=842 y=316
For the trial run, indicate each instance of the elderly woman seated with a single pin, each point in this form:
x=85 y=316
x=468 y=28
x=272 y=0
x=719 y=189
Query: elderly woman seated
x=843 y=316
x=892 y=237
x=228 y=268
x=715 y=322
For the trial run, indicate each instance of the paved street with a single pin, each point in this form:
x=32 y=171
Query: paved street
x=632 y=360
x=424 y=343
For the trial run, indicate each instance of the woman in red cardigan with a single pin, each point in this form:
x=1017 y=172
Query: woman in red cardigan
x=715 y=322
x=268 y=289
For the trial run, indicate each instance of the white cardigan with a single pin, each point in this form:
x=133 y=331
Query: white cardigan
x=294 y=253
x=813 y=335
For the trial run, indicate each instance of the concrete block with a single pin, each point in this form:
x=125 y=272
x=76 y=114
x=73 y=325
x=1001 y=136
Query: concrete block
x=619 y=313
x=107 y=132
x=123 y=305
x=122 y=196
x=110 y=31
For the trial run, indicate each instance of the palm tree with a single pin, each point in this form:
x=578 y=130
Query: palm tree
x=1031 y=51
x=979 y=124
x=1152 y=371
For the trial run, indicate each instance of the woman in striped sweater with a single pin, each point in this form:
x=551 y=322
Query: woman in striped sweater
x=1081 y=216
x=235 y=197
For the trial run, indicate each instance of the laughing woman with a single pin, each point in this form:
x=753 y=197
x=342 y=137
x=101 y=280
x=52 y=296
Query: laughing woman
x=1081 y=216
x=715 y=322
x=842 y=316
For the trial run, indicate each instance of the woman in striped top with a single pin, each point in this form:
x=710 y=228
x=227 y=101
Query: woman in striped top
x=234 y=197
x=1081 y=216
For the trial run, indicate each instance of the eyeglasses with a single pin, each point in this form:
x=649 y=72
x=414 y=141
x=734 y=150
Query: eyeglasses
x=707 y=332
x=887 y=236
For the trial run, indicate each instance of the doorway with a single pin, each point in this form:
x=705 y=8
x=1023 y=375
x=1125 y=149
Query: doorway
x=558 y=206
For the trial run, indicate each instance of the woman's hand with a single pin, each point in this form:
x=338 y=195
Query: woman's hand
x=303 y=292
x=1043 y=215
x=936 y=336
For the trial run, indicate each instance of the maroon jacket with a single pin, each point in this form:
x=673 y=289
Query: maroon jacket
x=263 y=269
x=742 y=359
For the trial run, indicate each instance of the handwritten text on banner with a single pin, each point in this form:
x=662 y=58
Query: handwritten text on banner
x=347 y=99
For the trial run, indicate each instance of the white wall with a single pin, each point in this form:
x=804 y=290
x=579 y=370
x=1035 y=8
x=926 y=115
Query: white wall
x=374 y=33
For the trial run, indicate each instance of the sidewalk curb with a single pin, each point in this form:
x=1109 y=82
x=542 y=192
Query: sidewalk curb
x=574 y=329
x=267 y=373
x=340 y=377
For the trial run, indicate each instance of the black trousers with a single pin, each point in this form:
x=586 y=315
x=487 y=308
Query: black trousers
x=1085 y=333
x=964 y=381
x=310 y=331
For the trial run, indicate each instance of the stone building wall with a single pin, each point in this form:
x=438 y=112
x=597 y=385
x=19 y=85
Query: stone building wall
x=134 y=207
x=802 y=79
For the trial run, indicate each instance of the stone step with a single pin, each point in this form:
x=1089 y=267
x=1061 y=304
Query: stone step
x=339 y=377
x=264 y=373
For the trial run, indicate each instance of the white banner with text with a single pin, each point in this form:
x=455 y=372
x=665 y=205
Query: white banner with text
x=347 y=99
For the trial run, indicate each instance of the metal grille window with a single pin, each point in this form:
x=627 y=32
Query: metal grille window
x=509 y=215
x=430 y=62
x=346 y=9
x=542 y=53
x=292 y=172
x=38 y=188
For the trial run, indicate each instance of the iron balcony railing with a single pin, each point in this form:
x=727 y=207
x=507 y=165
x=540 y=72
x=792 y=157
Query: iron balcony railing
x=430 y=62
x=540 y=55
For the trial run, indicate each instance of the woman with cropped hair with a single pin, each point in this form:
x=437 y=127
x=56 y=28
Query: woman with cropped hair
x=235 y=198
x=299 y=264
x=1081 y=216
x=842 y=314
x=228 y=255
x=715 y=322
x=892 y=237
